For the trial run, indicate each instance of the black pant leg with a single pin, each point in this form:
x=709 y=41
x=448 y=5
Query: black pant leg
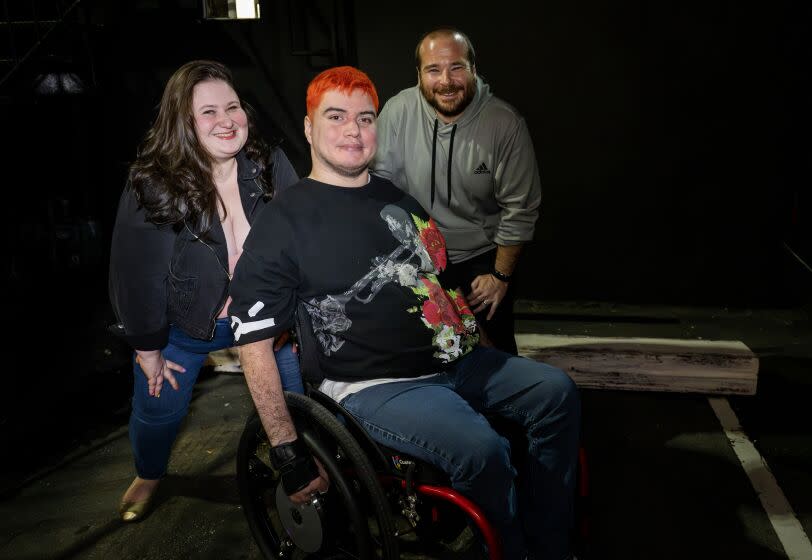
x=501 y=327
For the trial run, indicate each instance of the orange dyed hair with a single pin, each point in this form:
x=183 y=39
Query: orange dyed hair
x=345 y=79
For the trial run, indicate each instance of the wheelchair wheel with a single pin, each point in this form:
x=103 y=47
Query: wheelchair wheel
x=352 y=520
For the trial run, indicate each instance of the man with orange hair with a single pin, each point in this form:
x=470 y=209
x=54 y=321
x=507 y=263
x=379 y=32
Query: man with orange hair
x=396 y=347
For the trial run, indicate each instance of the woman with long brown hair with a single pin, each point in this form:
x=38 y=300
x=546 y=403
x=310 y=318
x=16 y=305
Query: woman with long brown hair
x=201 y=176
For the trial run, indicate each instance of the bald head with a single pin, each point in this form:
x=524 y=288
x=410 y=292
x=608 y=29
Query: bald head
x=446 y=74
x=428 y=40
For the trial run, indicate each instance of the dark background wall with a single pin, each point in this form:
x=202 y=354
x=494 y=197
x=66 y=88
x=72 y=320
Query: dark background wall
x=671 y=136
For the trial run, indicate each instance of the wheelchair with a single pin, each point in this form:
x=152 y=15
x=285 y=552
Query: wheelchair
x=380 y=504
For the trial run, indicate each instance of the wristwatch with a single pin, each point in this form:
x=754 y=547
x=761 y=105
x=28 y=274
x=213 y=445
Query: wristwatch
x=501 y=276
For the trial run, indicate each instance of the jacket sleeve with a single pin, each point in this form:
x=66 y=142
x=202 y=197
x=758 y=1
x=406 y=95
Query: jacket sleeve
x=284 y=175
x=518 y=188
x=139 y=265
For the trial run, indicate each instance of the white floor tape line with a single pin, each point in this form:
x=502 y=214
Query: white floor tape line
x=783 y=519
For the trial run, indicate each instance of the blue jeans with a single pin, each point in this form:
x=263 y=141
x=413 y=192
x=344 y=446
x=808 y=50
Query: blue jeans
x=439 y=420
x=154 y=422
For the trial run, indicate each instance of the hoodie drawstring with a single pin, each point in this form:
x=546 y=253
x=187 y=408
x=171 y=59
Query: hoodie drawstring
x=450 y=155
x=434 y=158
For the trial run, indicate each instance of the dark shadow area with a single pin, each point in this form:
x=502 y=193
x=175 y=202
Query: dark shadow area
x=212 y=488
x=71 y=383
x=674 y=503
x=87 y=540
x=777 y=420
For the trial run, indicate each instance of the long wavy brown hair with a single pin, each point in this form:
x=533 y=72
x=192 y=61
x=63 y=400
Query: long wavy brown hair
x=172 y=175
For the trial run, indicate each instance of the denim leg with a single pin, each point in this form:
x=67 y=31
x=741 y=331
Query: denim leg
x=154 y=421
x=545 y=401
x=430 y=421
x=288 y=363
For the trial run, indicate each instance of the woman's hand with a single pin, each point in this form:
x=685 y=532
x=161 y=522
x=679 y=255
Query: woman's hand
x=283 y=339
x=157 y=368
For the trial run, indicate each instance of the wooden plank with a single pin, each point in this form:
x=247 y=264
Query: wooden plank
x=588 y=310
x=226 y=360
x=723 y=367
x=720 y=367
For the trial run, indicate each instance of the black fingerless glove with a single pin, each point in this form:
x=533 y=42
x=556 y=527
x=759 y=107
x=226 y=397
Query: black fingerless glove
x=295 y=464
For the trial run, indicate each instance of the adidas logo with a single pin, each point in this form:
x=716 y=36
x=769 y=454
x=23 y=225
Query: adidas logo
x=482 y=169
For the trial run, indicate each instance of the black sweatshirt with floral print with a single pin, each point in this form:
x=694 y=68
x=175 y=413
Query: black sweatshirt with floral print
x=365 y=264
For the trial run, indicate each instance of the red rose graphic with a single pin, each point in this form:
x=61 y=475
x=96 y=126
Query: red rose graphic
x=431 y=312
x=462 y=305
x=439 y=309
x=435 y=245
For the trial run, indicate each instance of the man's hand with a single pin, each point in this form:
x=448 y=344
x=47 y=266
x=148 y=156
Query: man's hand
x=156 y=368
x=487 y=290
x=319 y=484
x=300 y=473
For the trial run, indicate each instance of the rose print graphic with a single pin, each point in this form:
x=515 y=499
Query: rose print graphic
x=439 y=309
x=446 y=313
x=432 y=241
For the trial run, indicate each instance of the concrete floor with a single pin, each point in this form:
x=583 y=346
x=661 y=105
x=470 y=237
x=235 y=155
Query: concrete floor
x=665 y=482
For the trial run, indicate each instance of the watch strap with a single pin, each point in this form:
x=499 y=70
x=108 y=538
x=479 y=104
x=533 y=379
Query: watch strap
x=501 y=276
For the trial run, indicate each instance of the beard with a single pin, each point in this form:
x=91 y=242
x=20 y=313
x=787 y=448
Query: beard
x=449 y=108
x=344 y=170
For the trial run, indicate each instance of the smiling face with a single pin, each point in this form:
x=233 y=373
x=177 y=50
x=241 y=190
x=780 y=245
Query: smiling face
x=343 y=137
x=446 y=78
x=221 y=124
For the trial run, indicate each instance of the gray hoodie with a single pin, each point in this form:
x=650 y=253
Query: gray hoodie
x=477 y=177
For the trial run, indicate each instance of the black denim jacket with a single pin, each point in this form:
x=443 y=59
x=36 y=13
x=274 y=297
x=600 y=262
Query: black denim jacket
x=160 y=275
